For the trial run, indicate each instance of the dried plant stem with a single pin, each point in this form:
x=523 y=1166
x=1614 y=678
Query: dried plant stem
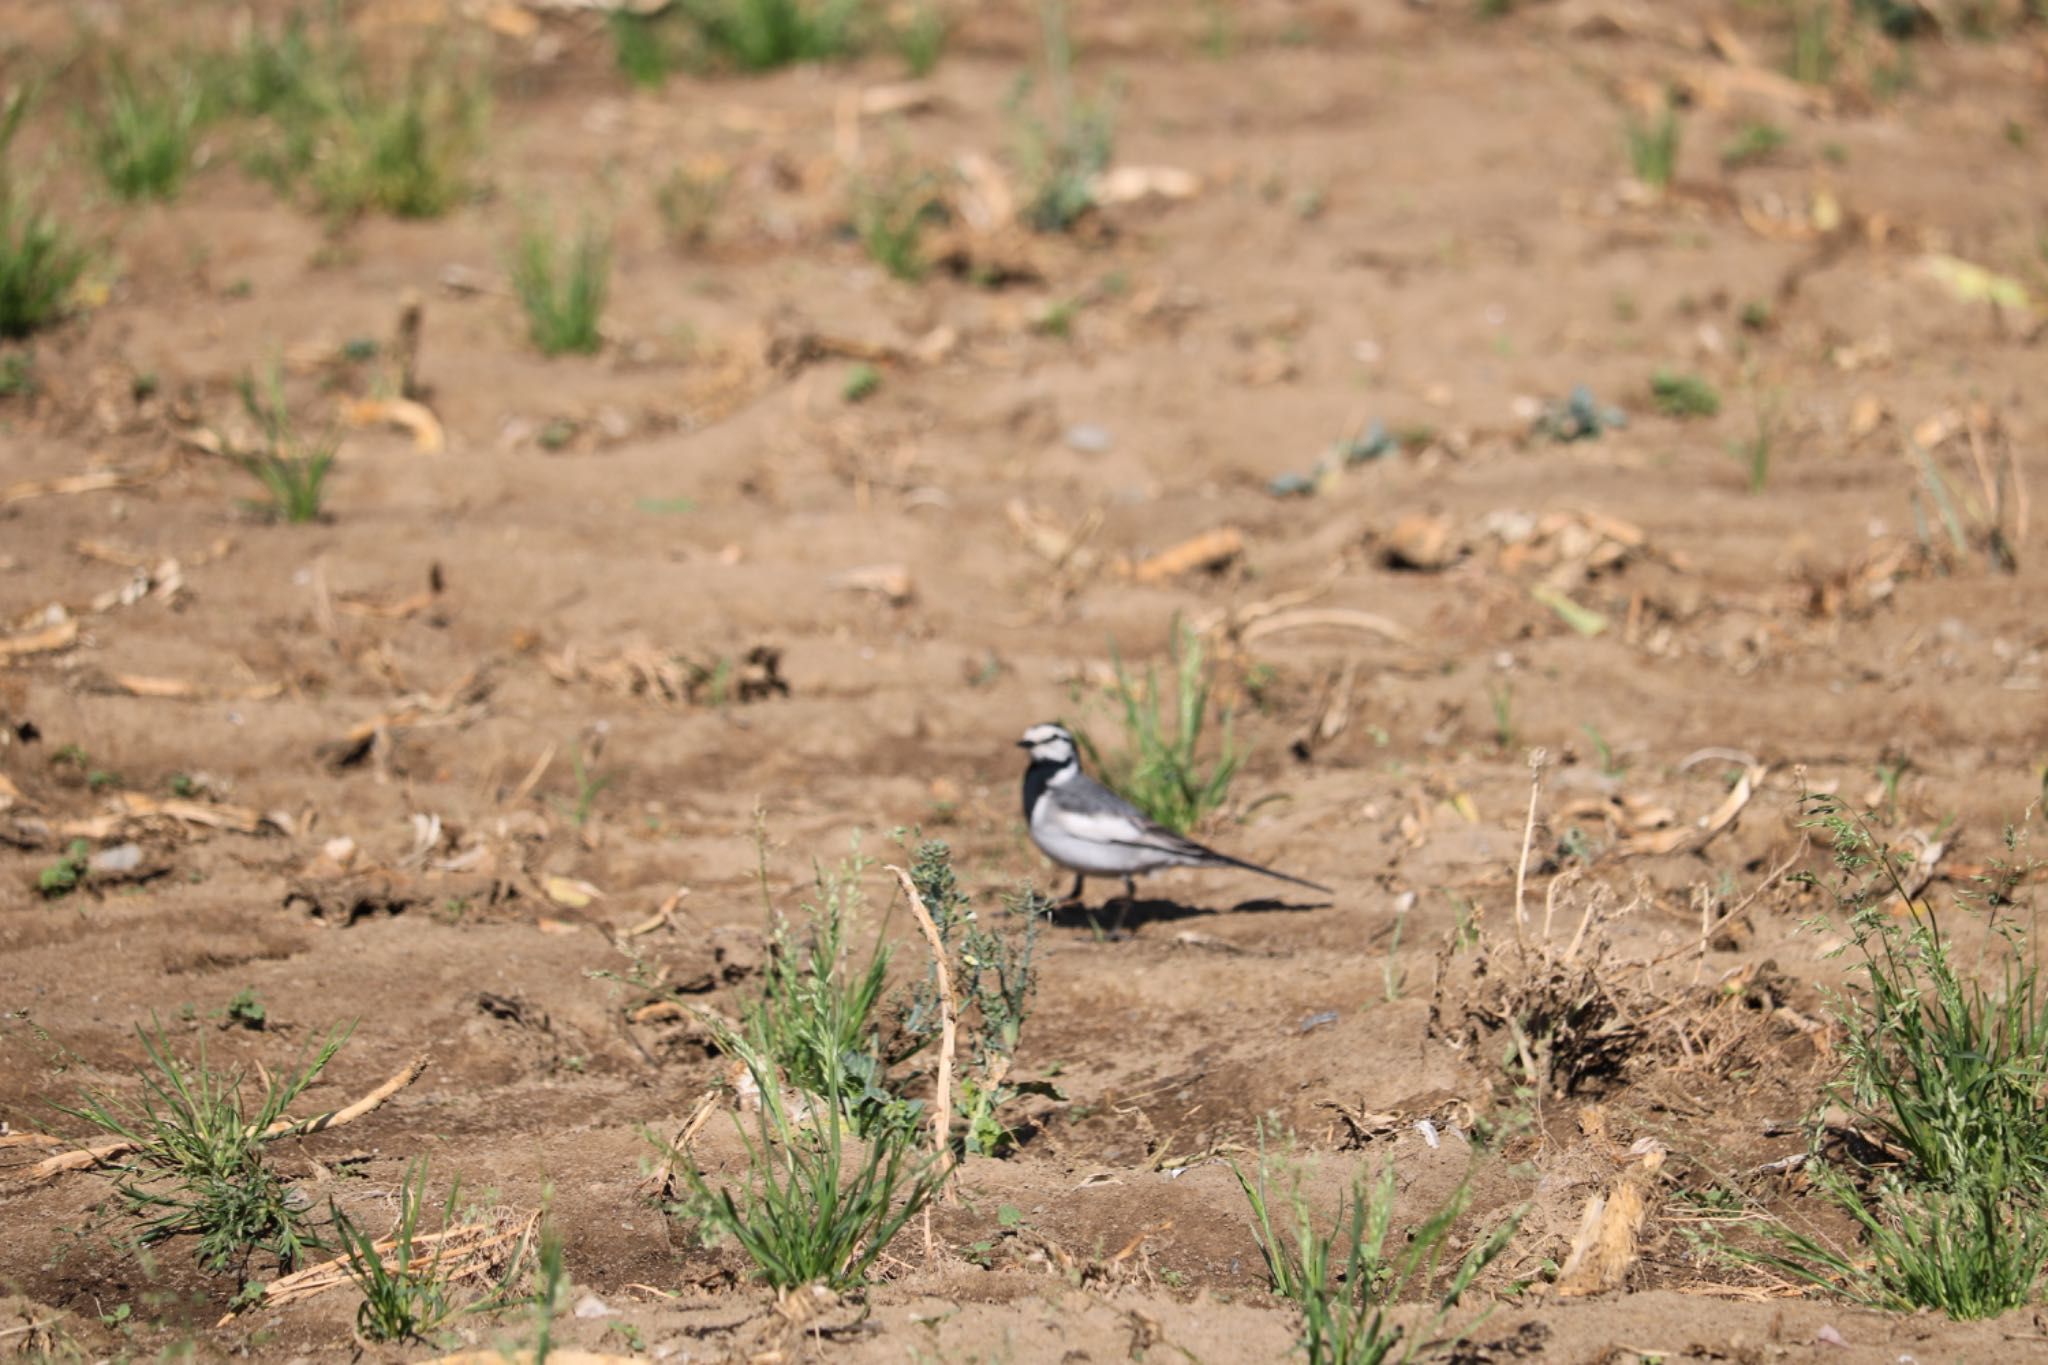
x=949 y=1019
x=1537 y=757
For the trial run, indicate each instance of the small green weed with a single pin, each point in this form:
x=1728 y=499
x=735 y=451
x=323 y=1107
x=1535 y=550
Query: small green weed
x=563 y=300
x=1653 y=146
x=1345 y=1279
x=1813 y=41
x=62 y=877
x=889 y=217
x=405 y=1292
x=18 y=375
x=994 y=975
x=292 y=470
x=644 y=46
x=863 y=382
x=689 y=201
x=1500 y=699
x=921 y=39
x=199 y=1166
x=244 y=1009
x=1756 y=449
x=1752 y=143
x=1060 y=159
x=1578 y=417
x=760 y=35
x=812 y=1208
x=40 y=261
x=1682 y=395
x=1163 y=774
x=144 y=134
x=590 y=785
x=817 y=1020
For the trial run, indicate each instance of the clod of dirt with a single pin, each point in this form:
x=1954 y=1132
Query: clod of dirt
x=347 y=899
x=1422 y=542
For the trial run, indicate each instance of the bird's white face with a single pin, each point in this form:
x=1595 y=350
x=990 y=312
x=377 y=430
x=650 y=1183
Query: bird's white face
x=1048 y=744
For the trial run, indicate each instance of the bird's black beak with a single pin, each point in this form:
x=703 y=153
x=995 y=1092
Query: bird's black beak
x=1024 y=744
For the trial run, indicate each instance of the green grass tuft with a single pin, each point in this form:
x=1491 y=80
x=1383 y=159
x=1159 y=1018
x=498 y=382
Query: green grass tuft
x=1683 y=395
x=889 y=217
x=1161 y=773
x=563 y=298
x=405 y=1293
x=1346 y=1279
x=40 y=261
x=1653 y=146
x=199 y=1167
x=760 y=35
x=144 y=134
x=292 y=469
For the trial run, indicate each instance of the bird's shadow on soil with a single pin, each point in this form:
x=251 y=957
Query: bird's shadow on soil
x=1118 y=917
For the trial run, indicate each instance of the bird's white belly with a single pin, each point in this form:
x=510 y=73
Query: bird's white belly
x=1092 y=857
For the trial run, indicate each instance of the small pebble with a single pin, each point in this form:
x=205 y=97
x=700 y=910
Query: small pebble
x=1088 y=438
x=1318 y=1019
x=591 y=1306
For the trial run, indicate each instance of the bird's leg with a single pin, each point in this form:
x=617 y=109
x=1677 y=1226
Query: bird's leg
x=1130 y=889
x=1074 y=896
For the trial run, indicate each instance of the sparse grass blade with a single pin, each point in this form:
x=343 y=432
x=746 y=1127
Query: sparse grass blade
x=199 y=1167
x=1164 y=774
x=1653 y=146
x=144 y=134
x=405 y=1292
x=292 y=469
x=1682 y=395
x=889 y=217
x=1345 y=1279
x=1060 y=158
x=563 y=298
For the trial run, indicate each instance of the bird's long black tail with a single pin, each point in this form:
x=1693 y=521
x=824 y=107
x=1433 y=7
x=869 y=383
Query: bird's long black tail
x=1228 y=861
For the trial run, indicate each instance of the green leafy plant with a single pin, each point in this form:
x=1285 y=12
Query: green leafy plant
x=994 y=974
x=405 y=1289
x=244 y=1009
x=563 y=300
x=1162 y=774
x=1060 y=158
x=1347 y=1277
x=62 y=877
x=1653 y=146
x=292 y=469
x=40 y=261
x=1682 y=395
x=817 y=1020
x=1500 y=699
x=198 y=1166
x=145 y=133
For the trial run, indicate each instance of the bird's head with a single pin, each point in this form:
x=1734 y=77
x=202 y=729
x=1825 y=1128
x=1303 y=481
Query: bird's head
x=1049 y=744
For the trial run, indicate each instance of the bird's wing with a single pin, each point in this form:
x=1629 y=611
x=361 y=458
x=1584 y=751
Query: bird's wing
x=1088 y=810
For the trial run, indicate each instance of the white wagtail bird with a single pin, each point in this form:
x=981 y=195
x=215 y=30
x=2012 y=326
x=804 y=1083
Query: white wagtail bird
x=1092 y=832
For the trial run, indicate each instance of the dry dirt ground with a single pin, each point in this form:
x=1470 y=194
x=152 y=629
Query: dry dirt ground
x=1405 y=215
